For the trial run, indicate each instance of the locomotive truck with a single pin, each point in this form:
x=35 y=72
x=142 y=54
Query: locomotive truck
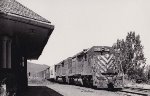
x=96 y=67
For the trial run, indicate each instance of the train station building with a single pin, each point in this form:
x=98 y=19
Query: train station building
x=23 y=36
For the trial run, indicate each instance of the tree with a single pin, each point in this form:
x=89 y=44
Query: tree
x=130 y=54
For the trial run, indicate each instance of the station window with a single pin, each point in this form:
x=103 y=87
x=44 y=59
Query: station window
x=62 y=64
x=85 y=56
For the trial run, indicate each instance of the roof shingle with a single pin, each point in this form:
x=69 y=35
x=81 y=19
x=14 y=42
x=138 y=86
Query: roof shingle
x=15 y=8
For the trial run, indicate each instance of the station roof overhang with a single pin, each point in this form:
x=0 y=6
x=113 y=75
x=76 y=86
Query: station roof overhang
x=31 y=31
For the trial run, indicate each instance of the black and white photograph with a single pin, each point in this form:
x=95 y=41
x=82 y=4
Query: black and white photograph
x=74 y=48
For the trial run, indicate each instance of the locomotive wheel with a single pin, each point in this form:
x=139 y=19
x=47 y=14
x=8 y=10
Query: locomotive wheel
x=71 y=80
x=85 y=82
x=67 y=80
x=56 y=79
x=94 y=87
x=64 y=80
x=90 y=82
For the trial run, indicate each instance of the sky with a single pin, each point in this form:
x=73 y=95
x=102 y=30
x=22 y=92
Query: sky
x=81 y=24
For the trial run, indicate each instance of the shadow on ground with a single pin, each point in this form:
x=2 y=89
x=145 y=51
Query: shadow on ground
x=40 y=91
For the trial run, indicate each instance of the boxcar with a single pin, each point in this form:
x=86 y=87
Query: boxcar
x=47 y=73
x=52 y=73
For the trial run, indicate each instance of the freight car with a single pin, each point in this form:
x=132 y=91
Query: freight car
x=44 y=74
x=52 y=76
x=47 y=73
x=95 y=67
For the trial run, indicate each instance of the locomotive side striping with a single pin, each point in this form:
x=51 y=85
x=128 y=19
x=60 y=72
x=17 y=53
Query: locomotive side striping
x=101 y=64
x=105 y=59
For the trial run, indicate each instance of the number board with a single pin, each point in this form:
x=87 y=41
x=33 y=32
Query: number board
x=101 y=49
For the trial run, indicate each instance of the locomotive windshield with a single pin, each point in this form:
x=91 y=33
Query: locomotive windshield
x=104 y=52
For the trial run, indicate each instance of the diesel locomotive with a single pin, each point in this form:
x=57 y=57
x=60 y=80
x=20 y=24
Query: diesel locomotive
x=96 y=67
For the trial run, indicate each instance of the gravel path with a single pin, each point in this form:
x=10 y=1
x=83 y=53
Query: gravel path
x=56 y=89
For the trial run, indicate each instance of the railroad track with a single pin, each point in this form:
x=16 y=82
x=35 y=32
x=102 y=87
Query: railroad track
x=135 y=91
x=126 y=91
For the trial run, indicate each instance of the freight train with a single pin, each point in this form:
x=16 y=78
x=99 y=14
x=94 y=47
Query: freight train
x=96 y=67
